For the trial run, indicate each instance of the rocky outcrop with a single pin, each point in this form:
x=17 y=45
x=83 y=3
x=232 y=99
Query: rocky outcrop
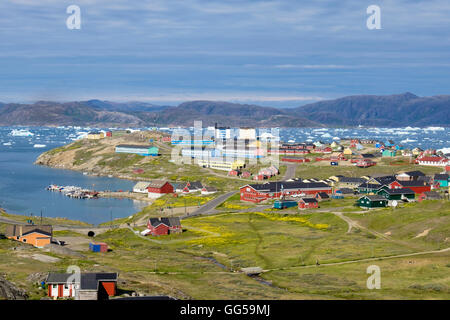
x=9 y=291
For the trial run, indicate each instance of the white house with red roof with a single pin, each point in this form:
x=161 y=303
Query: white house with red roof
x=434 y=161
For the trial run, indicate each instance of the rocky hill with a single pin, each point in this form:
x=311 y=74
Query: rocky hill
x=404 y=109
x=369 y=110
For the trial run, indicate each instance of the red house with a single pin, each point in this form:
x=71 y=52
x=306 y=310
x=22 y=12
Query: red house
x=295 y=159
x=157 y=188
x=432 y=161
x=429 y=195
x=87 y=286
x=308 y=203
x=246 y=174
x=234 y=173
x=164 y=226
x=108 y=133
x=416 y=186
x=272 y=190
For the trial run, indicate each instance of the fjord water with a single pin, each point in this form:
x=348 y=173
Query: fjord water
x=22 y=184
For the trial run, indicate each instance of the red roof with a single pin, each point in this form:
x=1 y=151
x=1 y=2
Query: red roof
x=435 y=159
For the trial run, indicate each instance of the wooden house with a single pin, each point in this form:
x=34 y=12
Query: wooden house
x=410 y=176
x=36 y=235
x=158 y=188
x=416 y=186
x=322 y=196
x=274 y=190
x=389 y=153
x=141 y=187
x=164 y=226
x=429 y=195
x=208 y=190
x=442 y=179
x=85 y=286
x=397 y=194
x=308 y=203
x=372 y=201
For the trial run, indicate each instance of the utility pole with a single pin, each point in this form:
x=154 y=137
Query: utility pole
x=41 y=216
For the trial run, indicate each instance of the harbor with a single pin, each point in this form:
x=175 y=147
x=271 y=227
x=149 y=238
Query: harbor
x=74 y=192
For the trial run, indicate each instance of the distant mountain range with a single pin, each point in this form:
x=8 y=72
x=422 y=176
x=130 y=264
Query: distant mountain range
x=399 y=110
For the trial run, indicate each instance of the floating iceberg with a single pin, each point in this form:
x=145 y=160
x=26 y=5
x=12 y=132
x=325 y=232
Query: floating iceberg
x=21 y=133
x=7 y=144
x=39 y=146
x=408 y=140
x=434 y=129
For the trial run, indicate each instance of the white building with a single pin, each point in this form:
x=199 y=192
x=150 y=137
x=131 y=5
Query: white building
x=247 y=133
x=141 y=187
x=222 y=132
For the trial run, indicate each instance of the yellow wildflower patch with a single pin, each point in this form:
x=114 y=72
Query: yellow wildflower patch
x=292 y=218
x=234 y=206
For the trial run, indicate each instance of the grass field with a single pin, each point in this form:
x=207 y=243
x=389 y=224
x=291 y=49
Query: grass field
x=288 y=246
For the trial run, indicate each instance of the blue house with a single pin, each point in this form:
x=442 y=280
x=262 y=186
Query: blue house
x=389 y=153
x=389 y=143
x=442 y=179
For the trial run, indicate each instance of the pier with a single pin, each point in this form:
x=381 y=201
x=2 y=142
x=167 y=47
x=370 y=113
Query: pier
x=74 y=192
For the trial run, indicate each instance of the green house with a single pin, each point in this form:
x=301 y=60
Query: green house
x=137 y=149
x=372 y=201
x=389 y=153
x=397 y=194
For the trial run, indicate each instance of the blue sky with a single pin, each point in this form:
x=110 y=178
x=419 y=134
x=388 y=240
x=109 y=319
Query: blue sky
x=277 y=53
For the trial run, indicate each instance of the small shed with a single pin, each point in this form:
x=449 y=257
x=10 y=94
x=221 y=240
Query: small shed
x=98 y=247
x=308 y=203
x=322 y=196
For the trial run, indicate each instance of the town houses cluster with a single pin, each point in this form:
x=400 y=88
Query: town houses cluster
x=260 y=186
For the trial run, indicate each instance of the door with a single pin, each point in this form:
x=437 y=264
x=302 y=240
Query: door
x=54 y=290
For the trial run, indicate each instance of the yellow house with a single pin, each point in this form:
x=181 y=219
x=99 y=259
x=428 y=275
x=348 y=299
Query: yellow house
x=95 y=135
x=220 y=164
x=348 y=151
